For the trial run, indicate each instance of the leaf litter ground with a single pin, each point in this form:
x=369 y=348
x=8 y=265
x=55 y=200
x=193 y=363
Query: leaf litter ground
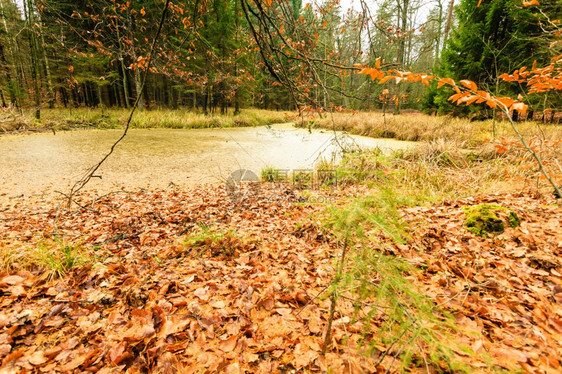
x=246 y=300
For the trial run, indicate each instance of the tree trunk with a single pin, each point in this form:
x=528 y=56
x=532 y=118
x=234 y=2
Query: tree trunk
x=137 y=74
x=11 y=84
x=206 y=99
x=449 y=21
x=8 y=78
x=438 y=36
x=236 y=41
x=100 y=98
x=50 y=89
x=124 y=75
x=403 y=27
x=34 y=61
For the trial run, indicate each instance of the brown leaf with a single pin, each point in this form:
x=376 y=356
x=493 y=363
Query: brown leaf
x=202 y=293
x=229 y=344
x=17 y=290
x=119 y=353
x=304 y=356
x=268 y=303
x=5 y=349
x=12 y=280
x=173 y=325
x=74 y=363
x=37 y=358
x=4 y=321
x=509 y=357
x=167 y=363
x=8 y=363
x=284 y=311
x=141 y=325
x=315 y=325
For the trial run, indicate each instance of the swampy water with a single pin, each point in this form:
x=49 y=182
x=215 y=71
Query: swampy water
x=43 y=163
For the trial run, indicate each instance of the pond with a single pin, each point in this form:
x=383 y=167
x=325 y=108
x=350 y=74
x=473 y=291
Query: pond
x=43 y=163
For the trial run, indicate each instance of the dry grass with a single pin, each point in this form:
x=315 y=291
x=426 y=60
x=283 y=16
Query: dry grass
x=445 y=170
x=411 y=126
x=53 y=256
x=421 y=127
x=455 y=159
x=66 y=119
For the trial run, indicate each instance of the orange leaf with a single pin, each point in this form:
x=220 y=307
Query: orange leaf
x=520 y=107
x=458 y=97
x=479 y=2
x=229 y=344
x=530 y=3
x=469 y=100
x=556 y=58
x=444 y=81
x=426 y=79
x=469 y=84
x=505 y=101
x=378 y=63
x=374 y=73
x=484 y=94
x=386 y=79
x=364 y=71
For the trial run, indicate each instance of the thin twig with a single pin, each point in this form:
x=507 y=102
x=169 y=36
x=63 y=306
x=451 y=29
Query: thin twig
x=90 y=173
x=334 y=299
x=314 y=298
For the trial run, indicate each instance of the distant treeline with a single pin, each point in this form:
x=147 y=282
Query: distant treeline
x=271 y=54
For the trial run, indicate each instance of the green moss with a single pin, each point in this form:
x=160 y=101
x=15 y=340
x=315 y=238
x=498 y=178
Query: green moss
x=483 y=219
x=513 y=220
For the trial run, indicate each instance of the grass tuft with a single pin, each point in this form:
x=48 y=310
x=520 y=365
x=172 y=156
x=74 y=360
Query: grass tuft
x=270 y=174
x=57 y=257
x=210 y=242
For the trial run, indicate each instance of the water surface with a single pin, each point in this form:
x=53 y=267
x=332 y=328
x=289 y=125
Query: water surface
x=43 y=163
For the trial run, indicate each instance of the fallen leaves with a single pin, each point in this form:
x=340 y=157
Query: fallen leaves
x=502 y=286
x=151 y=304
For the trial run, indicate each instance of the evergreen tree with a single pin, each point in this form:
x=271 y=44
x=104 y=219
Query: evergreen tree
x=496 y=37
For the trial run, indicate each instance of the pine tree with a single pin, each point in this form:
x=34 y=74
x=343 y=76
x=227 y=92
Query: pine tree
x=495 y=37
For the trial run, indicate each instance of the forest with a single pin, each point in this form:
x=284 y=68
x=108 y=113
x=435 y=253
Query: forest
x=215 y=55
x=281 y=186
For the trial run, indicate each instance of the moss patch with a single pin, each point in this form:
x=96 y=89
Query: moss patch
x=487 y=219
x=513 y=220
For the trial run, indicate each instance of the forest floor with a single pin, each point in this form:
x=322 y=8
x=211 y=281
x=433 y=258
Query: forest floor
x=193 y=280
x=189 y=279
